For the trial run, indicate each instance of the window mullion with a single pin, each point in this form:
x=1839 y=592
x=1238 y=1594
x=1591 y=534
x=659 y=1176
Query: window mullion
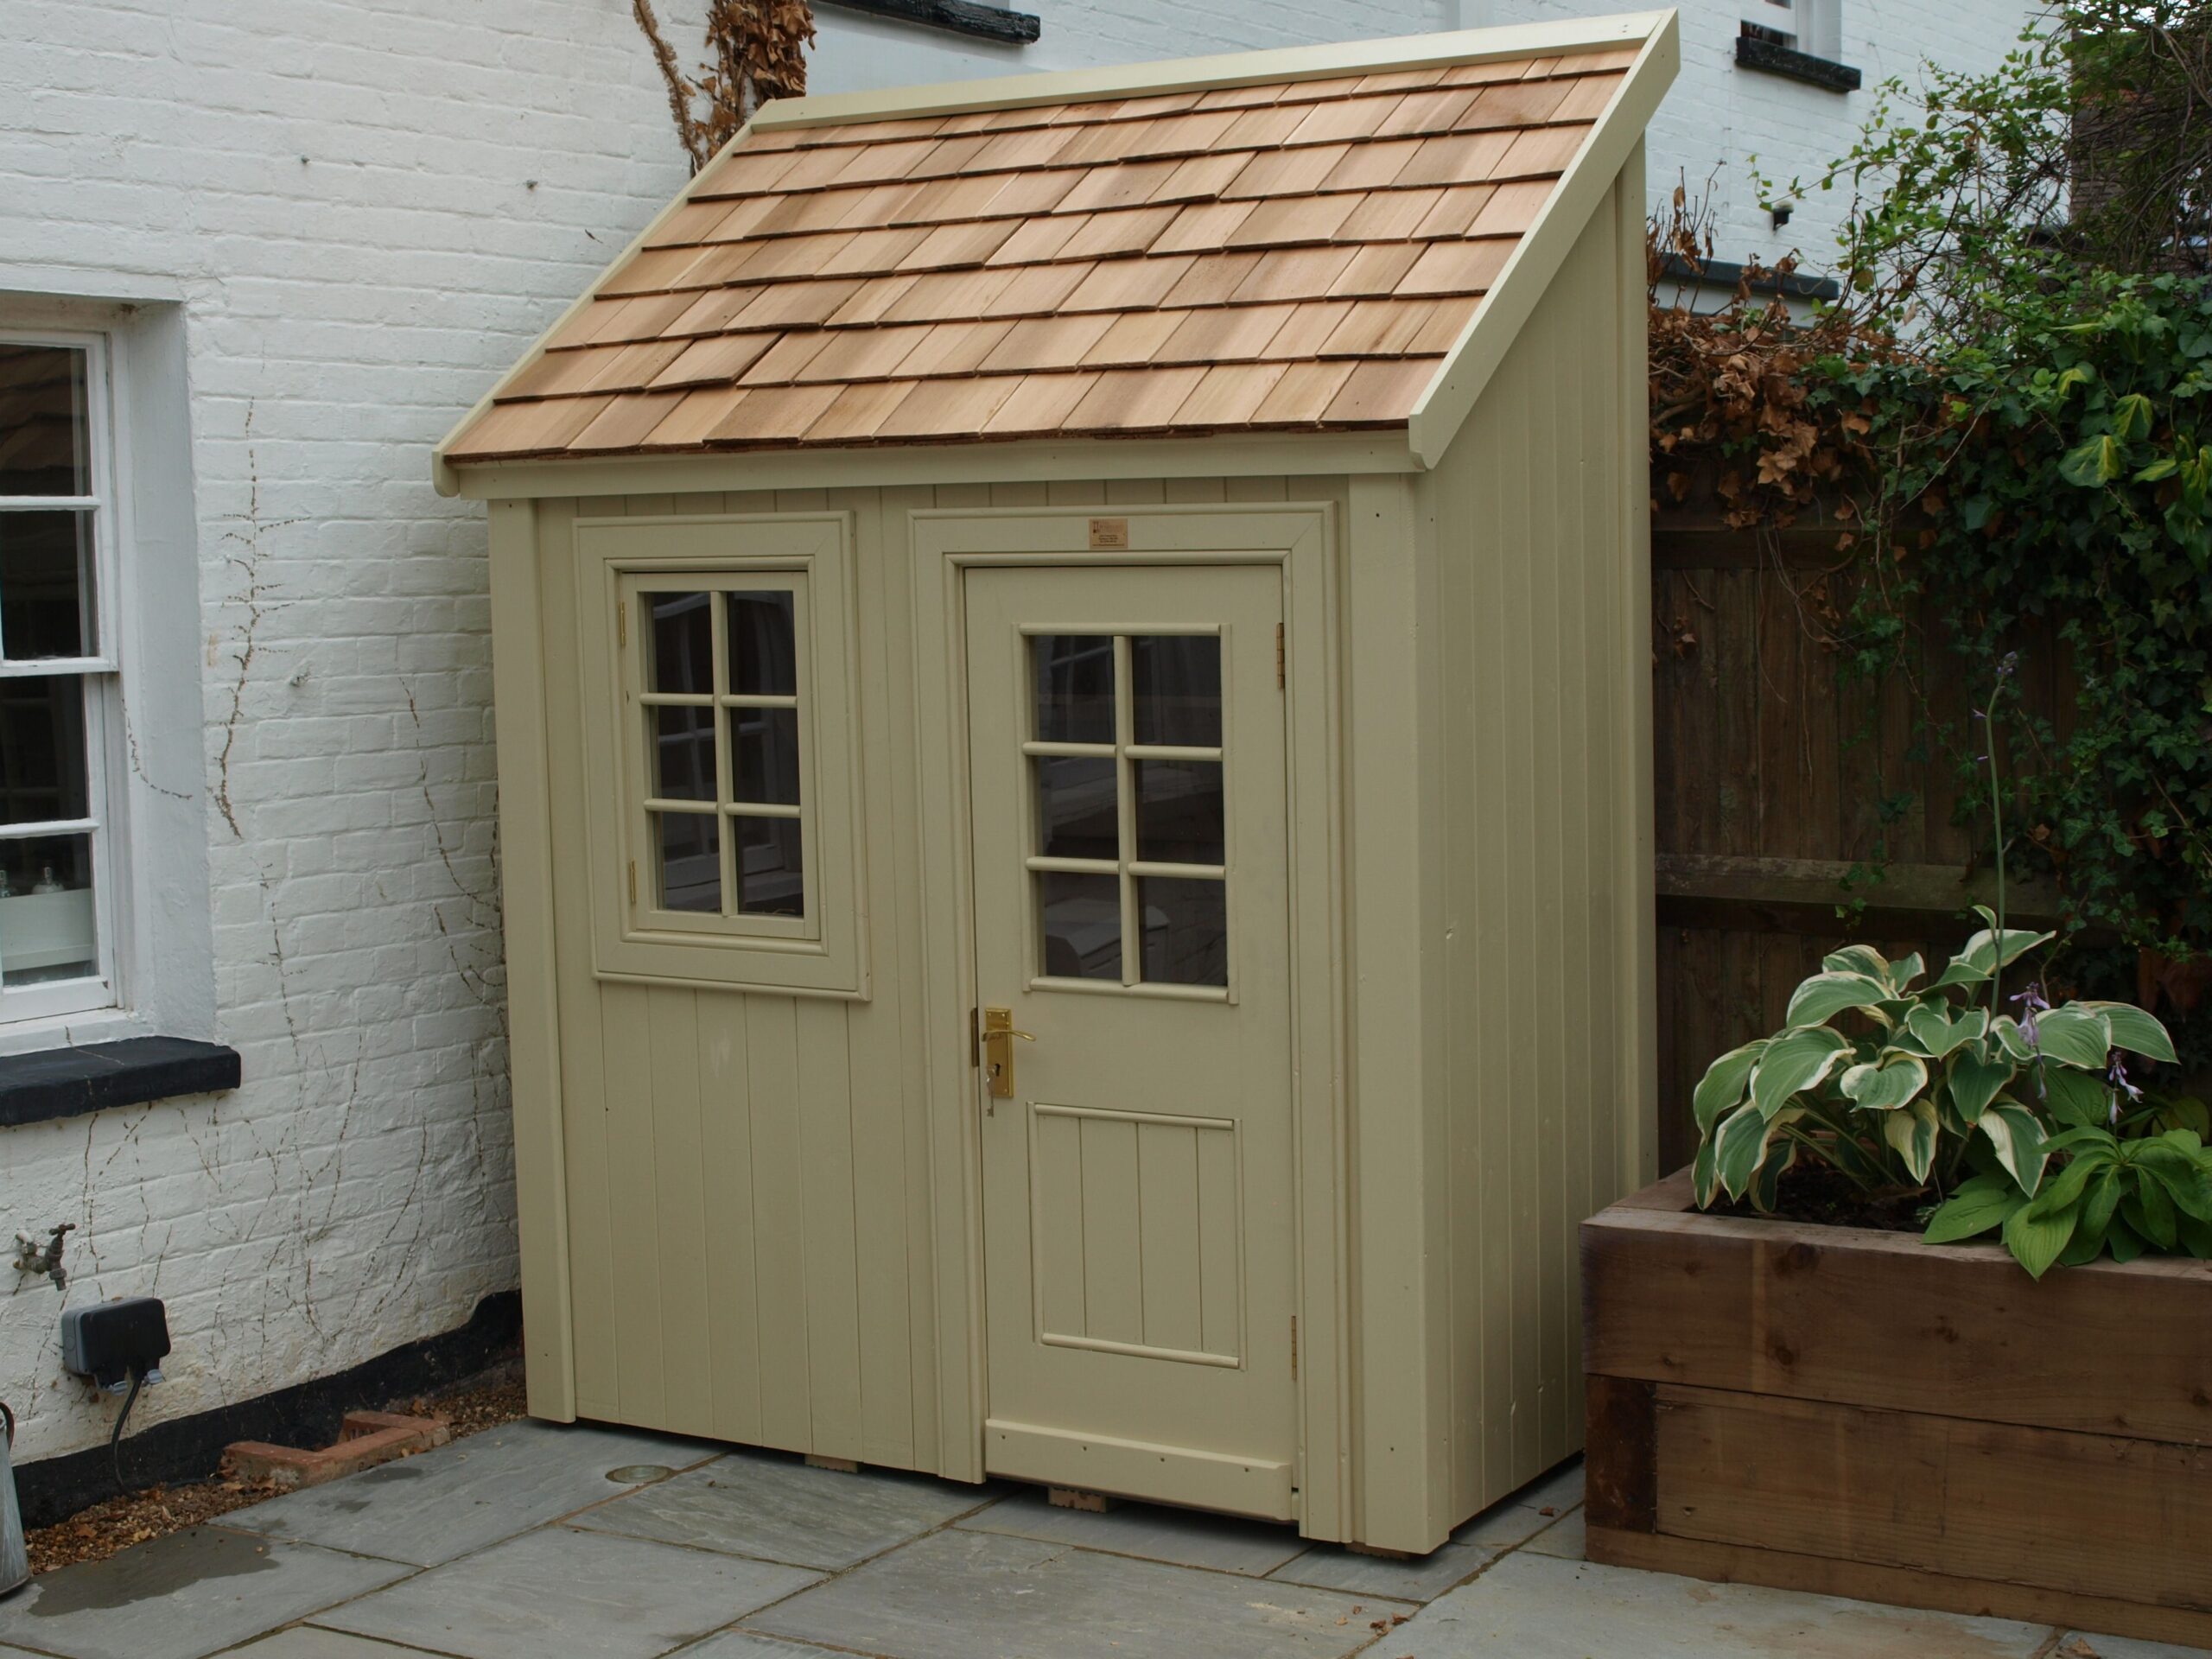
x=725 y=839
x=1125 y=804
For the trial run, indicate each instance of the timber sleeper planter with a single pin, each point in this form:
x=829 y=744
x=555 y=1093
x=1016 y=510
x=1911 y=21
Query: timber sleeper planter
x=1860 y=1414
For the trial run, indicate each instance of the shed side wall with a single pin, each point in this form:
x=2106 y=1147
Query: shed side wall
x=1540 y=931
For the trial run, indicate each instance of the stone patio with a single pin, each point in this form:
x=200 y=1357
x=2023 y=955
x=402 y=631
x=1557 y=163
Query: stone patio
x=534 y=1541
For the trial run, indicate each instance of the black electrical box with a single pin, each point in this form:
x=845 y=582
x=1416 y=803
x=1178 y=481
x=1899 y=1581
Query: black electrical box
x=113 y=1342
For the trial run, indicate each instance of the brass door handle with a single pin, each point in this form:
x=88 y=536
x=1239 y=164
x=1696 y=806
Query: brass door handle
x=998 y=1052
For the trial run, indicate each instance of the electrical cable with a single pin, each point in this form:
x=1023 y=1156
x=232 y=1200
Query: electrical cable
x=115 y=1438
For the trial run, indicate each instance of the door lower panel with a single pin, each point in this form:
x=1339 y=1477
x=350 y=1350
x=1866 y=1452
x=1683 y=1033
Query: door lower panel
x=1164 y=1474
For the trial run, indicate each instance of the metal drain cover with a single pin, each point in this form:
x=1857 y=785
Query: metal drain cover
x=639 y=1474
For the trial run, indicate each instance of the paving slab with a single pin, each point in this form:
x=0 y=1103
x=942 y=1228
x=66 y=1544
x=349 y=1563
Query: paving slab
x=1179 y=1537
x=431 y=1508
x=562 y=1592
x=306 y=1642
x=1565 y=1538
x=958 y=1594
x=1422 y=1579
x=1536 y=1606
x=2119 y=1647
x=180 y=1597
x=779 y=1510
x=743 y=1644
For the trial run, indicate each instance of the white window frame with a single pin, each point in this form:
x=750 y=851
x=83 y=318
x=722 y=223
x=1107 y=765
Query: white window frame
x=101 y=675
x=1815 y=27
x=824 y=952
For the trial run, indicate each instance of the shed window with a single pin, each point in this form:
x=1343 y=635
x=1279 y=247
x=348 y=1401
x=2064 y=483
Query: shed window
x=724 y=808
x=722 y=731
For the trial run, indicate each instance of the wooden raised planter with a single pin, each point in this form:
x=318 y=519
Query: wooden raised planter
x=1856 y=1412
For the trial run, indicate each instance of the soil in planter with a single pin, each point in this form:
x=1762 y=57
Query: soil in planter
x=1818 y=1192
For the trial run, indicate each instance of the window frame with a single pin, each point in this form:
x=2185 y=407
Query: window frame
x=100 y=675
x=821 y=952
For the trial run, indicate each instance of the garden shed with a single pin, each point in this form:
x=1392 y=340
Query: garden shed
x=1072 y=683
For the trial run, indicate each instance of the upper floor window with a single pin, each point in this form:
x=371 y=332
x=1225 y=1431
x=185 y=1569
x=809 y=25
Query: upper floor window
x=1812 y=26
x=58 y=698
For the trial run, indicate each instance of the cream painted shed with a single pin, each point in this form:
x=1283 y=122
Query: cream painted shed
x=1072 y=691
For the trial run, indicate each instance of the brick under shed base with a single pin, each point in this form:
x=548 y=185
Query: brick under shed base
x=366 y=1439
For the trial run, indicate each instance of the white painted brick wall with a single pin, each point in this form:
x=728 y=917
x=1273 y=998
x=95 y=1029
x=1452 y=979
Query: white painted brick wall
x=368 y=209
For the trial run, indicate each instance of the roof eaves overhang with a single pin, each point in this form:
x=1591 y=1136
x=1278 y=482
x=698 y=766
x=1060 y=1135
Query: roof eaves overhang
x=1447 y=402
x=1474 y=357
x=1259 y=455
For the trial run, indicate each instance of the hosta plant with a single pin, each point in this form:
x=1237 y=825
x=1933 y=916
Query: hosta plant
x=2023 y=1121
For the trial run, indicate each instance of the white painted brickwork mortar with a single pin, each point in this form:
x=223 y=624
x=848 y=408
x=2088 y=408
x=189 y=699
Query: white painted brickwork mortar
x=366 y=210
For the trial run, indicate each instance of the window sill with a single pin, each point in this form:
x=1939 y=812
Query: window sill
x=70 y=1082
x=1751 y=53
x=1728 y=274
x=959 y=16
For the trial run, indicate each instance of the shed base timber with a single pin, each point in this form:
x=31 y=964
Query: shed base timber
x=1846 y=1412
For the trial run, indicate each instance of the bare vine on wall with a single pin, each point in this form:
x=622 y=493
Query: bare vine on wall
x=758 y=52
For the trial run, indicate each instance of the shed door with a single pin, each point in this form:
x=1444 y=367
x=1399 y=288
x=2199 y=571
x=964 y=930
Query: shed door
x=1126 y=761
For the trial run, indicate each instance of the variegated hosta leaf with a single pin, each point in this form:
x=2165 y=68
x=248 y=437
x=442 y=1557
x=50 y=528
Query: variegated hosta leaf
x=1939 y=1032
x=1743 y=1141
x=1794 y=1060
x=1723 y=1083
x=1904 y=971
x=1975 y=1075
x=1913 y=1132
x=1824 y=995
x=2018 y=1140
x=1705 y=1177
x=2132 y=1029
x=1766 y=1180
x=2011 y=1038
x=2075 y=1036
x=1888 y=1085
x=1989 y=951
x=1858 y=959
x=1960 y=971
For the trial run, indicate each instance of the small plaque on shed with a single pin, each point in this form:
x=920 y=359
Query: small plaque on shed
x=1109 y=532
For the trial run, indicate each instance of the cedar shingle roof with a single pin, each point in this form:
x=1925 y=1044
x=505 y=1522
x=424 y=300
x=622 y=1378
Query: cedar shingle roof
x=1297 y=255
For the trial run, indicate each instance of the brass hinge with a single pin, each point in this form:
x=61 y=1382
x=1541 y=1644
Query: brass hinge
x=975 y=1040
x=1293 y=1347
x=1279 y=673
x=633 y=880
x=622 y=622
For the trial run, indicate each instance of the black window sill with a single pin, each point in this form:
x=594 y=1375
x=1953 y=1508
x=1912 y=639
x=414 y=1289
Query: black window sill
x=1751 y=53
x=959 y=16
x=1728 y=274
x=70 y=1082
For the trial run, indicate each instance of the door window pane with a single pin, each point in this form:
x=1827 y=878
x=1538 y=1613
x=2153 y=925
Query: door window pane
x=771 y=880
x=1074 y=677
x=1176 y=696
x=682 y=753
x=680 y=634
x=766 y=741
x=1076 y=815
x=44 y=432
x=1180 y=815
x=46 y=909
x=42 y=749
x=1186 y=930
x=763 y=651
x=46 y=585
x=1082 y=924
x=690 y=861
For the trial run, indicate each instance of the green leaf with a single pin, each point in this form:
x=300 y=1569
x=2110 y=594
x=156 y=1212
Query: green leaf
x=2074 y=1036
x=2132 y=1029
x=1913 y=1132
x=2078 y=1098
x=1975 y=1077
x=1705 y=1176
x=2098 y=461
x=2164 y=468
x=1940 y=1034
x=1885 y=1086
x=2195 y=1236
x=1960 y=971
x=1987 y=952
x=2016 y=1139
x=1794 y=1060
x=1740 y=1148
x=1824 y=995
x=2010 y=1038
x=1862 y=959
x=1723 y=1083
x=2151 y=1213
x=1767 y=1181
x=2123 y=1241
x=1977 y=1206
x=2036 y=1233
x=2099 y=1201
x=2131 y=417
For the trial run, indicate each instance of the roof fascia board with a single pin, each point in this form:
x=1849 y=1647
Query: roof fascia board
x=1482 y=345
x=1264 y=456
x=443 y=476
x=1227 y=69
